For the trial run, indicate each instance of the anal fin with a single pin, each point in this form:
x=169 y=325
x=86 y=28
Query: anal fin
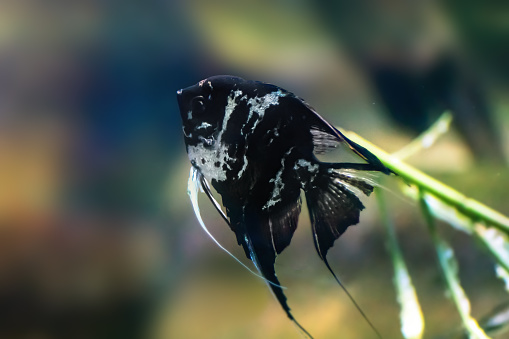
x=264 y=237
x=334 y=206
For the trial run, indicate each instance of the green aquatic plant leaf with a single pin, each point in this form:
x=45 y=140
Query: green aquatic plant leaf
x=440 y=201
x=427 y=138
x=411 y=317
x=493 y=240
x=470 y=208
x=449 y=268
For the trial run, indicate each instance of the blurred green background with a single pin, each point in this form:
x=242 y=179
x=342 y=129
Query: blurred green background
x=97 y=235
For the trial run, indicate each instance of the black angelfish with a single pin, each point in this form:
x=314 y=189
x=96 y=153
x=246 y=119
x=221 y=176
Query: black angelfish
x=256 y=144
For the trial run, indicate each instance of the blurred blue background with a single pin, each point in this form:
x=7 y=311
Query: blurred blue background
x=97 y=236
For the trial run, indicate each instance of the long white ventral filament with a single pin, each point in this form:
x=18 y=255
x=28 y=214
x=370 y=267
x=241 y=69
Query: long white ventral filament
x=192 y=189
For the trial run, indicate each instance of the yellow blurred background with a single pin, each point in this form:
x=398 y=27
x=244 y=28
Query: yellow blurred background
x=97 y=235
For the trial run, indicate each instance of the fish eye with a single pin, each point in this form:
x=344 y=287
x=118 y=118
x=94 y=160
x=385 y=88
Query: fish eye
x=198 y=105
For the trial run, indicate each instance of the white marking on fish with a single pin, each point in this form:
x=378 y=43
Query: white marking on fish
x=201 y=83
x=260 y=104
x=204 y=125
x=278 y=184
x=313 y=169
x=185 y=134
x=228 y=110
x=243 y=169
x=205 y=158
x=272 y=236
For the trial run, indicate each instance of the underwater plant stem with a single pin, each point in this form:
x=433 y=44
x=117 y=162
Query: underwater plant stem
x=411 y=317
x=427 y=138
x=469 y=207
x=449 y=268
x=392 y=241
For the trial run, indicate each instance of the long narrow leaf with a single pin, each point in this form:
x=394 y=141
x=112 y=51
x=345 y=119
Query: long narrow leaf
x=427 y=138
x=495 y=241
x=412 y=320
x=449 y=268
x=469 y=207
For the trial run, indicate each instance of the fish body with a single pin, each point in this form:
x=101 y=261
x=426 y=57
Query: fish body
x=256 y=144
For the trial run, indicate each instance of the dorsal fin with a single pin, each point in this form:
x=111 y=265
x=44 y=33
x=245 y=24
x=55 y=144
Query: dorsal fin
x=321 y=143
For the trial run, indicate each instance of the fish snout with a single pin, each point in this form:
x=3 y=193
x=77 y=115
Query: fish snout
x=179 y=96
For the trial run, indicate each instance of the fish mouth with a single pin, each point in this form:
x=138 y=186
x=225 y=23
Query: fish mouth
x=179 y=97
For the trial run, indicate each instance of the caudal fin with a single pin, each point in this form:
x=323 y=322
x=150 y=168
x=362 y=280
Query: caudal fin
x=333 y=203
